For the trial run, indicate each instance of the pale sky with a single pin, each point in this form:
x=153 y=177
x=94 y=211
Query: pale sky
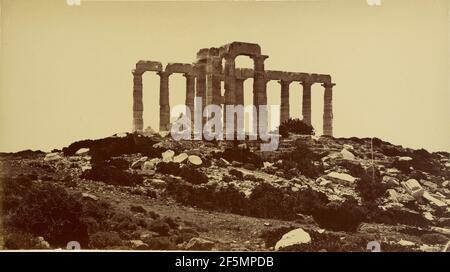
x=66 y=71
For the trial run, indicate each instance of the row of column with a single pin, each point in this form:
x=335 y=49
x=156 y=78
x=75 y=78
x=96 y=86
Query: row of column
x=208 y=85
x=164 y=106
x=306 y=104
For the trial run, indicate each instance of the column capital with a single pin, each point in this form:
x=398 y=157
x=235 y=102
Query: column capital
x=164 y=73
x=136 y=73
x=190 y=76
x=306 y=83
x=328 y=85
x=285 y=82
x=259 y=57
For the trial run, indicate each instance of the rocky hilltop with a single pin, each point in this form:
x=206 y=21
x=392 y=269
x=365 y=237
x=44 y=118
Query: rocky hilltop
x=133 y=191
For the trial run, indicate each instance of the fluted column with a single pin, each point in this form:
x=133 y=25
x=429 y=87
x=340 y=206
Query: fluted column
x=239 y=95
x=164 y=107
x=259 y=93
x=138 y=107
x=190 y=95
x=328 y=109
x=200 y=91
x=230 y=85
x=306 y=102
x=284 y=105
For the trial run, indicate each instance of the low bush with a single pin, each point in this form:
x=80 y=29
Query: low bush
x=295 y=126
x=47 y=210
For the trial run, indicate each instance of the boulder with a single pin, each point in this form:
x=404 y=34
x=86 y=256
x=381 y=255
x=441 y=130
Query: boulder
x=197 y=243
x=347 y=155
x=404 y=159
x=52 y=157
x=82 y=151
x=445 y=183
x=391 y=182
x=151 y=164
x=180 y=158
x=149 y=131
x=158 y=183
x=158 y=145
x=406 y=243
x=348 y=146
x=195 y=160
x=41 y=243
x=138 y=164
x=341 y=177
x=294 y=237
x=413 y=188
x=392 y=195
x=167 y=156
x=429 y=184
x=433 y=200
x=138 y=244
x=445 y=231
x=89 y=196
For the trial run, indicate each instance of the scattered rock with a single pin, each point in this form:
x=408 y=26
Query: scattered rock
x=180 y=158
x=41 y=243
x=445 y=231
x=195 y=160
x=433 y=200
x=391 y=182
x=139 y=245
x=89 y=196
x=158 y=183
x=151 y=164
x=52 y=157
x=392 y=194
x=294 y=237
x=413 y=188
x=445 y=183
x=138 y=164
x=341 y=177
x=167 y=156
x=347 y=155
x=82 y=151
x=406 y=243
x=428 y=216
x=404 y=159
x=198 y=243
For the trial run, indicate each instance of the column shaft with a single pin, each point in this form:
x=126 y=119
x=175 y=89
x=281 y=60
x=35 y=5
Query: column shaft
x=230 y=86
x=164 y=107
x=328 y=110
x=240 y=118
x=259 y=94
x=138 y=107
x=284 y=106
x=190 y=95
x=306 y=102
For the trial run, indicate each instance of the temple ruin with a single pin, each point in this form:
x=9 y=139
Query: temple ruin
x=216 y=65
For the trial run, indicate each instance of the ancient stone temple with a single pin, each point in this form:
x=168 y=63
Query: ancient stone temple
x=216 y=65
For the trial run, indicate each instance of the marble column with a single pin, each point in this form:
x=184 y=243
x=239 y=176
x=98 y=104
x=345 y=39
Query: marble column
x=239 y=95
x=328 y=109
x=138 y=107
x=200 y=92
x=259 y=93
x=190 y=95
x=284 y=105
x=164 y=107
x=230 y=85
x=306 y=102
